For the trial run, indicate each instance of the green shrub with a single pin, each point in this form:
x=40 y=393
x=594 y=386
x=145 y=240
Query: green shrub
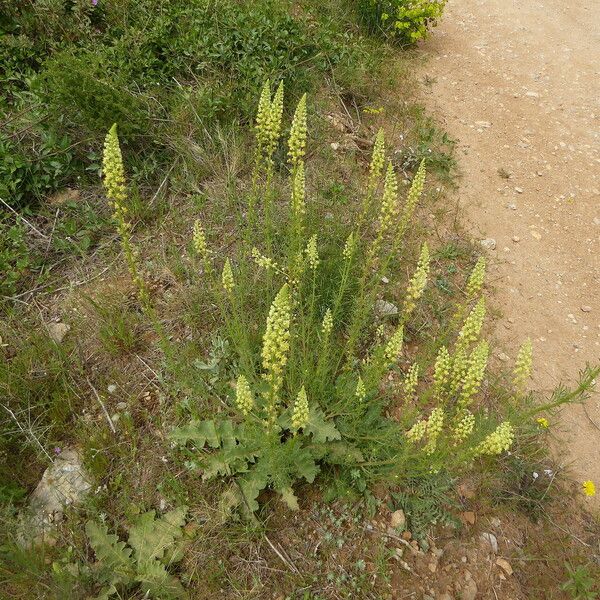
x=407 y=21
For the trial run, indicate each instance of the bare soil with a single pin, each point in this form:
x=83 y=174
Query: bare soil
x=518 y=85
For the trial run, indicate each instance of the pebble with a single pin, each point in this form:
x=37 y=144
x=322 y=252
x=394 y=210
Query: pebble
x=536 y=234
x=121 y=405
x=112 y=388
x=586 y=308
x=57 y=331
x=488 y=243
x=503 y=357
x=490 y=540
x=512 y=206
x=385 y=309
x=398 y=519
x=505 y=566
x=519 y=190
x=516 y=239
x=469 y=591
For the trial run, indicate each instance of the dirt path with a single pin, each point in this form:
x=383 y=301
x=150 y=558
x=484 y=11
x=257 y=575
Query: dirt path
x=518 y=84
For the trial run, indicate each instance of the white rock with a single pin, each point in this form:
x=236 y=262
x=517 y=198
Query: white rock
x=398 y=519
x=490 y=540
x=57 y=331
x=586 y=308
x=385 y=309
x=488 y=243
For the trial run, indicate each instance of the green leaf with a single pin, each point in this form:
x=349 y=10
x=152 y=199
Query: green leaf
x=228 y=461
x=321 y=429
x=198 y=432
x=341 y=453
x=150 y=537
x=112 y=554
x=251 y=486
x=158 y=583
x=306 y=466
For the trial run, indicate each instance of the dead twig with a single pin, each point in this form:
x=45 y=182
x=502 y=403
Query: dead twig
x=110 y=422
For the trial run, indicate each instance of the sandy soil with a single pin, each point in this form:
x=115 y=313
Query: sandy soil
x=518 y=85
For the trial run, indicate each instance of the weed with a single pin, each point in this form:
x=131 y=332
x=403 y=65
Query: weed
x=582 y=581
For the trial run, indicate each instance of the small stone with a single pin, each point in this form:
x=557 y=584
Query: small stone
x=112 y=388
x=488 y=243
x=432 y=566
x=469 y=591
x=121 y=405
x=385 y=280
x=505 y=566
x=489 y=539
x=519 y=190
x=334 y=146
x=511 y=206
x=503 y=357
x=406 y=535
x=532 y=94
x=536 y=234
x=495 y=522
x=516 y=239
x=484 y=124
x=385 y=309
x=57 y=331
x=586 y=308
x=398 y=519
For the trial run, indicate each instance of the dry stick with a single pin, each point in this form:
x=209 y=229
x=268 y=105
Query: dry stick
x=25 y=432
x=12 y=210
x=110 y=423
x=288 y=563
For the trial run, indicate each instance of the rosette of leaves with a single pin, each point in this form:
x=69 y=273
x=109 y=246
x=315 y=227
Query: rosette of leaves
x=153 y=545
x=255 y=458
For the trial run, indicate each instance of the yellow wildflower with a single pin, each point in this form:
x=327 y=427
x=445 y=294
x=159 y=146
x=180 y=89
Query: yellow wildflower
x=243 y=396
x=389 y=201
x=409 y=385
x=435 y=424
x=417 y=431
x=349 y=247
x=199 y=239
x=441 y=372
x=361 y=390
x=542 y=422
x=414 y=193
x=312 y=254
x=474 y=374
x=274 y=122
x=263 y=261
x=327 y=324
x=298 y=193
x=300 y=412
x=263 y=117
x=298 y=131
x=394 y=346
x=498 y=441
x=589 y=488
x=276 y=345
x=113 y=171
x=464 y=427
x=472 y=325
x=476 y=278
x=416 y=285
x=227 y=277
x=522 y=371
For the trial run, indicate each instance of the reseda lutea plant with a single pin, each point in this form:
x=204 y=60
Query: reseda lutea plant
x=316 y=387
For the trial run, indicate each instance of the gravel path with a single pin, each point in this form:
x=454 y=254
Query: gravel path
x=518 y=85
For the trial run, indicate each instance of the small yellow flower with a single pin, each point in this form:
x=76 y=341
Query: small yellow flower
x=414 y=194
x=300 y=412
x=589 y=488
x=361 y=390
x=349 y=247
x=264 y=262
x=377 y=161
x=409 y=384
x=227 y=277
x=327 y=324
x=522 y=371
x=199 y=239
x=476 y=279
x=542 y=422
x=298 y=131
x=416 y=285
x=312 y=254
x=472 y=326
x=441 y=372
x=243 y=395
x=389 y=201
x=299 y=193
x=394 y=346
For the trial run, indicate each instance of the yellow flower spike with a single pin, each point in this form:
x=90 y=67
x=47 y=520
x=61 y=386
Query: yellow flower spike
x=497 y=442
x=589 y=488
x=299 y=193
x=276 y=346
x=274 y=122
x=312 y=253
x=441 y=372
x=300 y=412
x=298 y=131
x=412 y=199
x=327 y=325
x=199 y=240
x=389 y=201
x=263 y=261
x=263 y=118
x=409 y=384
x=542 y=422
x=522 y=371
x=416 y=286
x=361 y=390
x=473 y=376
x=227 y=277
x=472 y=325
x=435 y=424
x=476 y=278
x=394 y=346
x=464 y=427
x=243 y=396
x=349 y=247
x=417 y=431
x=114 y=173
x=460 y=364
x=377 y=162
